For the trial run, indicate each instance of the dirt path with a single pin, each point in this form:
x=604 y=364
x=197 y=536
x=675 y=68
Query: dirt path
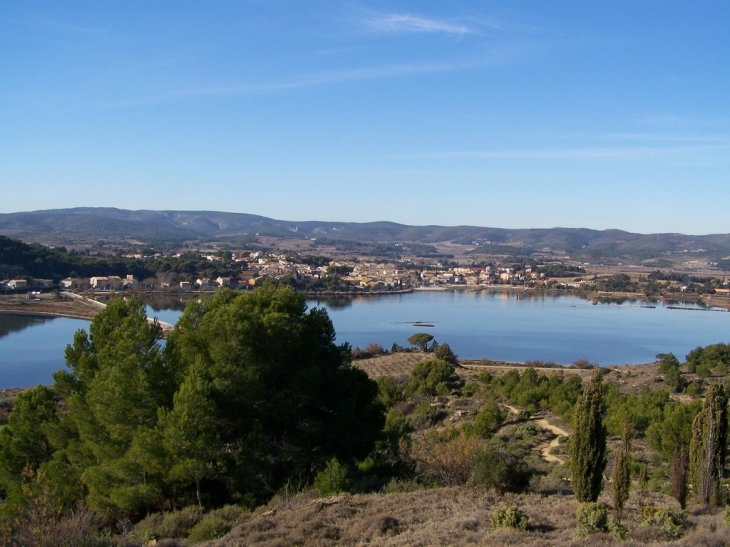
x=544 y=448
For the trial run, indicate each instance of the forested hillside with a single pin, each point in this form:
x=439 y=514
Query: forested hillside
x=18 y=258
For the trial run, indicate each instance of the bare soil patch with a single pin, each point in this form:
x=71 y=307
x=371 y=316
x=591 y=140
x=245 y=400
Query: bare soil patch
x=63 y=307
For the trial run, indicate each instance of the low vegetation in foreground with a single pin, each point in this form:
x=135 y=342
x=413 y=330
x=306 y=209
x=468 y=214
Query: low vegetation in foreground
x=250 y=426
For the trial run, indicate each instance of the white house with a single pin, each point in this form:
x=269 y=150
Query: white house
x=17 y=284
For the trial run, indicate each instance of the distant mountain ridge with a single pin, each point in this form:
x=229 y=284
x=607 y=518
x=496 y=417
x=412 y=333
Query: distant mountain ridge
x=179 y=226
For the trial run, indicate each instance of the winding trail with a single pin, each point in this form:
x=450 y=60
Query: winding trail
x=544 y=448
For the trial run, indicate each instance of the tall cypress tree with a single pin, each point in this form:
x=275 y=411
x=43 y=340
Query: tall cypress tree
x=679 y=475
x=622 y=472
x=588 y=446
x=709 y=445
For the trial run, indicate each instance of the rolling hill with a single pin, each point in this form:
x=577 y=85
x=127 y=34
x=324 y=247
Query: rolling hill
x=203 y=226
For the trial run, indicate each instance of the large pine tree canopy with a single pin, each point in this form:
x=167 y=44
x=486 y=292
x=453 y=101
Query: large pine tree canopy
x=250 y=390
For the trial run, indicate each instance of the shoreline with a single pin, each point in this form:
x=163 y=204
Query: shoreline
x=75 y=306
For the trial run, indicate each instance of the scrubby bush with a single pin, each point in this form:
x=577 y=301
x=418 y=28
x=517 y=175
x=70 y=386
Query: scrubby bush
x=591 y=517
x=424 y=415
x=470 y=389
x=500 y=470
x=399 y=486
x=726 y=515
x=526 y=430
x=389 y=392
x=430 y=378
x=618 y=530
x=488 y=419
x=669 y=522
x=509 y=517
x=371 y=350
x=584 y=364
x=211 y=527
x=447 y=457
x=445 y=354
x=332 y=479
x=40 y=526
x=694 y=389
x=175 y=524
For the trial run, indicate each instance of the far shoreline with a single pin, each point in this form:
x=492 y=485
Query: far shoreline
x=75 y=306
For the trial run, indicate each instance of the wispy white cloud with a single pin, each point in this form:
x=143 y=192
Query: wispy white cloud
x=408 y=23
x=308 y=80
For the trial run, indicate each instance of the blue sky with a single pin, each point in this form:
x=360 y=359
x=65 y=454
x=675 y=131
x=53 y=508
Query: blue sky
x=530 y=114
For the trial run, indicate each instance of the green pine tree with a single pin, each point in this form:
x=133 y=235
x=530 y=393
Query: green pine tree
x=117 y=382
x=189 y=431
x=588 y=445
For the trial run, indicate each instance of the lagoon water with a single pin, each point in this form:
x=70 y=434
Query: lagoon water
x=495 y=325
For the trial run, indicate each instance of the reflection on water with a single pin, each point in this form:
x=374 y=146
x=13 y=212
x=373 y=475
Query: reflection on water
x=332 y=302
x=16 y=323
x=31 y=348
x=162 y=302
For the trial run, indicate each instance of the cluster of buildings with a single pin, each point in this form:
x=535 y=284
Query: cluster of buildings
x=257 y=265
x=24 y=284
x=383 y=276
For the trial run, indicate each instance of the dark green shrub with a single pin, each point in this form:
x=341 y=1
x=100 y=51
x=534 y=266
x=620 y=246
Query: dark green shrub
x=232 y=514
x=500 y=470
x=389 y=393
x=591 y=517
x=488 y=419
x=176 y=524
x=430 y=378
x=332 y=479
x=470 y=389
x=509 y=517
x=618 y=530
x=694 y=389
x=445 y=354
x=669 y=522
x=526 y=430
x=211 y=527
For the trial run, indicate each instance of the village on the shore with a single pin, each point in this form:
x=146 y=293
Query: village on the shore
x=251 y=268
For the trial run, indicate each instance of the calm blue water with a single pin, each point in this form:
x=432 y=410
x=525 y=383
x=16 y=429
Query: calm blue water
x=515 y=327
x=498 y=326
x=31 y=348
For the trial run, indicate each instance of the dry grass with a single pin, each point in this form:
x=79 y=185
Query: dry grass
x=457 y=516
x=394 y=365
x=629 y=378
